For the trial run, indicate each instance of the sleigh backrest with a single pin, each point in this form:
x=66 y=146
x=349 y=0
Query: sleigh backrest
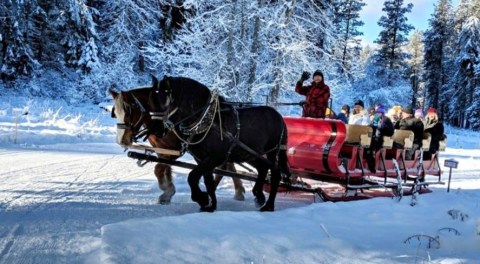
x=359 y=135
x=403 y=138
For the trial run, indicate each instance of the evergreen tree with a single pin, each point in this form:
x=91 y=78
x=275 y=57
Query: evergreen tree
x=415 y=68
x=436 y=40
x=16 y=55
x=467 y=76
x=390 y=57
x=347 y=22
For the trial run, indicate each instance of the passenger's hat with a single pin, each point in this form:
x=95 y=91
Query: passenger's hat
x=419 y=112
x=319 y=73
x=431 y=110
x=380 y=109
x=360 y=103
x=408 y=110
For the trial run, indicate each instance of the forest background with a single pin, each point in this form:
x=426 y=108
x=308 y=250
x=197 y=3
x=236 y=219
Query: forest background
x=252 y=51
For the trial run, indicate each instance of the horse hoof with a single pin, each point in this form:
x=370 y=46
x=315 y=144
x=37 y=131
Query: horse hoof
x=208 y=208
x=259 y=202
x=202 y=199
x=163 y=202
x=166 y=197
x=267 y=208
x=239 y=196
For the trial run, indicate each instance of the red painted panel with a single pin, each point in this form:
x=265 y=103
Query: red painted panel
x=314 y=145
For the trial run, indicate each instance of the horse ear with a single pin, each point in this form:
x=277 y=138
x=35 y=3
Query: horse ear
x=154 y=81
x=113 y=93
x=166 y=83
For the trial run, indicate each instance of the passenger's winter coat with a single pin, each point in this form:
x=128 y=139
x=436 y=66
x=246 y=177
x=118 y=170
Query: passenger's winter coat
x=436 y=130
x=383 y=128
x=360 y=118
x=413 y=124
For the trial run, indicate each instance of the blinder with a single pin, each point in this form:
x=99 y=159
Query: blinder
x=134 y=127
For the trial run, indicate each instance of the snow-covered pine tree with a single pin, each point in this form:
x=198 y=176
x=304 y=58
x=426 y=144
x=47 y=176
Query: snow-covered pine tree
x=16 y=55
x=216 y=39
x=347 y=22
x=415 y=68
x=384 y=71
x=303 y=41
x=436 y=40
x=127 y=27
x=390 y=58
x=467 y=76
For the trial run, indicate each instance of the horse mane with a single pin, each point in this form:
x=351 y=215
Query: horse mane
x=186 y=83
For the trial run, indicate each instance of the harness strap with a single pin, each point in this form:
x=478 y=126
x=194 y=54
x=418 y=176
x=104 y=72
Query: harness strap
x=142 y=112
x=236 y=138
x=162 y=115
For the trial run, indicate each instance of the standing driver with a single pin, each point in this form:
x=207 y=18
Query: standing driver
x=317 y=94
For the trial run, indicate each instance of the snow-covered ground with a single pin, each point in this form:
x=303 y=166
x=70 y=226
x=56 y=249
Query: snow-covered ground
x=69 y=194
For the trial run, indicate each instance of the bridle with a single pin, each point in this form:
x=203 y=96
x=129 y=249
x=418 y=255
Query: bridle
x=135 y=128
x=164 y=116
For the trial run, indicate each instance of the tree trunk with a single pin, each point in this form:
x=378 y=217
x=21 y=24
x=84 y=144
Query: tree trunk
x=254 y=53
x=278 y=74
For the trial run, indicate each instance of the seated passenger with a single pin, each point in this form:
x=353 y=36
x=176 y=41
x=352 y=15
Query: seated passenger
x=408 y=122
x=436 y=130
x=344 y=114
x=382 y=127
x=393 y=115
x=419 y=114
x=359 y=115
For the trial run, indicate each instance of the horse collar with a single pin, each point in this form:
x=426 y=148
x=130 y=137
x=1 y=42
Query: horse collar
x=204 y=123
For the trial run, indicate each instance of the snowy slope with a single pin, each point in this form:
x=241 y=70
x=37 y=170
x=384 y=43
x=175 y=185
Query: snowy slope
x=69 y=194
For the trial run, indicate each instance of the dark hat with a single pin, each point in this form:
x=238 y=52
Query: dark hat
x=408 y=110
x=318 y=72
x=380 y=109
x=360 y=103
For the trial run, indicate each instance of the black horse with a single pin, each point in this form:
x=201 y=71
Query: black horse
x=214 y=131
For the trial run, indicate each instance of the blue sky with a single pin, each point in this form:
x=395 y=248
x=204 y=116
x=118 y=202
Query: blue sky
x=371 y=13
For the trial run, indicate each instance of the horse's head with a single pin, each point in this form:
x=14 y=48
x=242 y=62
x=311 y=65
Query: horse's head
x=177 y=101
x=161 y=104
x=130 y=114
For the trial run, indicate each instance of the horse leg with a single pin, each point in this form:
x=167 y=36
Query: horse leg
x=275 y=178
x=257 y=190
x=204 y=168
x=237 y=183
x=274 y=183
x=211 y=187
x=165 y=182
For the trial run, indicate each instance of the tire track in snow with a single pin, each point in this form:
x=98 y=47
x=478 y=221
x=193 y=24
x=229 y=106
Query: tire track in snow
x=7 y=242
x=47 y=189
x=29 y=182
